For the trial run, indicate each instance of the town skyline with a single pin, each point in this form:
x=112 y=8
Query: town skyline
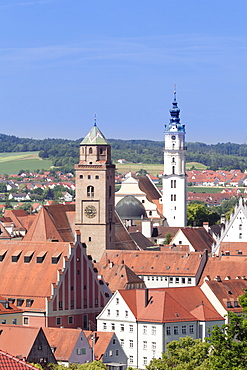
x=121 y=60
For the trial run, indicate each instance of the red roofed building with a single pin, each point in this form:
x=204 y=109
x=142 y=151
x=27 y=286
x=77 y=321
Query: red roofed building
x=9 y=362
x=140 y=318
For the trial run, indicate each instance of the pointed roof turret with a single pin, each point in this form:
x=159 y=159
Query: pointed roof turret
x=174 y=112
x=95 y=136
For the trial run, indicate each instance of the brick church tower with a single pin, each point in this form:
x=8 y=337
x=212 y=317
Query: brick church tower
x=95 y=189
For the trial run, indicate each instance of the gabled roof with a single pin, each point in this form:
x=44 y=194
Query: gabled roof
x=156 y=262
x=94 y=137
x=118 y=276
x=147 y=186
x=161 y=306
x=52 y=223
x=198 y=237
x=141 y=240
x=228 y=291
x=18 y=340
x=101 y=342
x=21 y=279
x=123 y=241
x=224 y=267
x=63 y=340
x=170 y=304
x=9 y=362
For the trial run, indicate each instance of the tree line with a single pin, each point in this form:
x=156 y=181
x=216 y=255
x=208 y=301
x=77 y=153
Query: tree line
x=64 y=153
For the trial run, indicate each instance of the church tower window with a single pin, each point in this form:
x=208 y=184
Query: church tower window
x=90 y=191
x=90 y=151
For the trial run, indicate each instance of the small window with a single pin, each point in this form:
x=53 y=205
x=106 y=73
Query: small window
x=229 y=305
x=117 y=300
x=145 y=361
x=81 y=176
x=71 y=319
x=121 y=327
x=14 y=321
x=104 y=326
x=173 y=170
x=153 y=346
x=191 y=329
x=89 y=177
x=131 y=328
x=153 y=330
x=29 y=302
x=113 y=341
x=171 y=183
x=90 y=151
x=131 y=359
x=122 y=342
x=116 y=352
x=175 y=197
x=171 y=280
x=90 y=191
x=20 y=301
x=189 y=280
x=240 y=235
x=131 y=343
x=145 y=329
x=183 y=280
x=97 y=177
x=175 y=183
x=168 y=330
x=113 y=326
x=240 y=227
x=175 y=330
x=126 y=313
x=183 y=329
x=25 y=320
x=89 y=238
x=176 y=280
x=108 y=312
x=117 y=312
x=58 y=321
x=4 y=321
x=145 y=345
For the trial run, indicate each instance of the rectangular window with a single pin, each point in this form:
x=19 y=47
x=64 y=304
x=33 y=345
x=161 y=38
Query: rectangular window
x=110 y=353
x=25 y=320
x=71 y=319
x=189 y=280
x=126 y=313
x=172 y=197
x=171 y=183
x=131 y=359
x=153 y=346
x=183 y=329
x=4 y=321
x=175 y=183
x=131 y=343
x=153 y=330
x=108 y=312
x=104 y=326
x=113 y=326
x=191 y=329
x=121 y=327
x=177 y=280
x=175 y=330
x=117 y=300
x=175 y=197
x=171 y=279
x=116 y=352
x=117 y=312
x=122 y=342
x=131 y=328
x=183 y=280
x=145 y=345
x=14 y=321
x=145 y=329
x=168 y=330
x=58 y=321
x=145 y=360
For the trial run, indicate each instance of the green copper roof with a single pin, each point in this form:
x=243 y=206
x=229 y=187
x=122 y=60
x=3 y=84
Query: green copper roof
x=94 y=137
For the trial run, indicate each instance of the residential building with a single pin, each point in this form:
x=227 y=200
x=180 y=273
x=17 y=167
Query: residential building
x=145 y=321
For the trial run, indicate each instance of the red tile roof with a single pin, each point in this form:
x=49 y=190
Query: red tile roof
x=9 y=362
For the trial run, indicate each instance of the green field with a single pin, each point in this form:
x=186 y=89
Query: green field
x=196 y=165
x=12 y=163
x=154 y=169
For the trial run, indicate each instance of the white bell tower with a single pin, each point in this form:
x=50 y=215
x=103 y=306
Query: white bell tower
x=174 y=176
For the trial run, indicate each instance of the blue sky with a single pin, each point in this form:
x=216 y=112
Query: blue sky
x=63 y=60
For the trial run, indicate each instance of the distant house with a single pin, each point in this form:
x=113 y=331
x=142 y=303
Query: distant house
x=69 y=345
x=27 y=343
x=121 y=161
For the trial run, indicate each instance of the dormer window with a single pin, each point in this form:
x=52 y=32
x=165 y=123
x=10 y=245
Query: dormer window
x=16 y=256
x=90 y=151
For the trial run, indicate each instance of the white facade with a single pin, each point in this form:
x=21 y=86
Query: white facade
x=144 y=340
x=235 y=229
x=174 y=177
x=130 y=186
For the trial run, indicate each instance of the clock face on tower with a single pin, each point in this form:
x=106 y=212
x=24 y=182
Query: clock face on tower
x=173 y=137
x=90 y=211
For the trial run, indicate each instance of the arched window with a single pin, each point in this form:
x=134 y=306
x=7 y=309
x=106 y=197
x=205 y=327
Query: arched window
x=101 y=151
x=173 y=159
x=90 y=150
x=175 y=183
x=173 y=170
x=90 y=191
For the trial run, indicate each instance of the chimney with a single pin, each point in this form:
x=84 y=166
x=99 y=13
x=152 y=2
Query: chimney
x=146 y=297
x=206 y=226
x=147 y=228
x=111 y=265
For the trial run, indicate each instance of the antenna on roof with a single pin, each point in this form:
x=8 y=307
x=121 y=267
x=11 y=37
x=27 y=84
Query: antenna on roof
x=95 y=118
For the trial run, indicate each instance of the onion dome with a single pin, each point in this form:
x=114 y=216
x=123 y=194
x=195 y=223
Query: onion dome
x=130 y=208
